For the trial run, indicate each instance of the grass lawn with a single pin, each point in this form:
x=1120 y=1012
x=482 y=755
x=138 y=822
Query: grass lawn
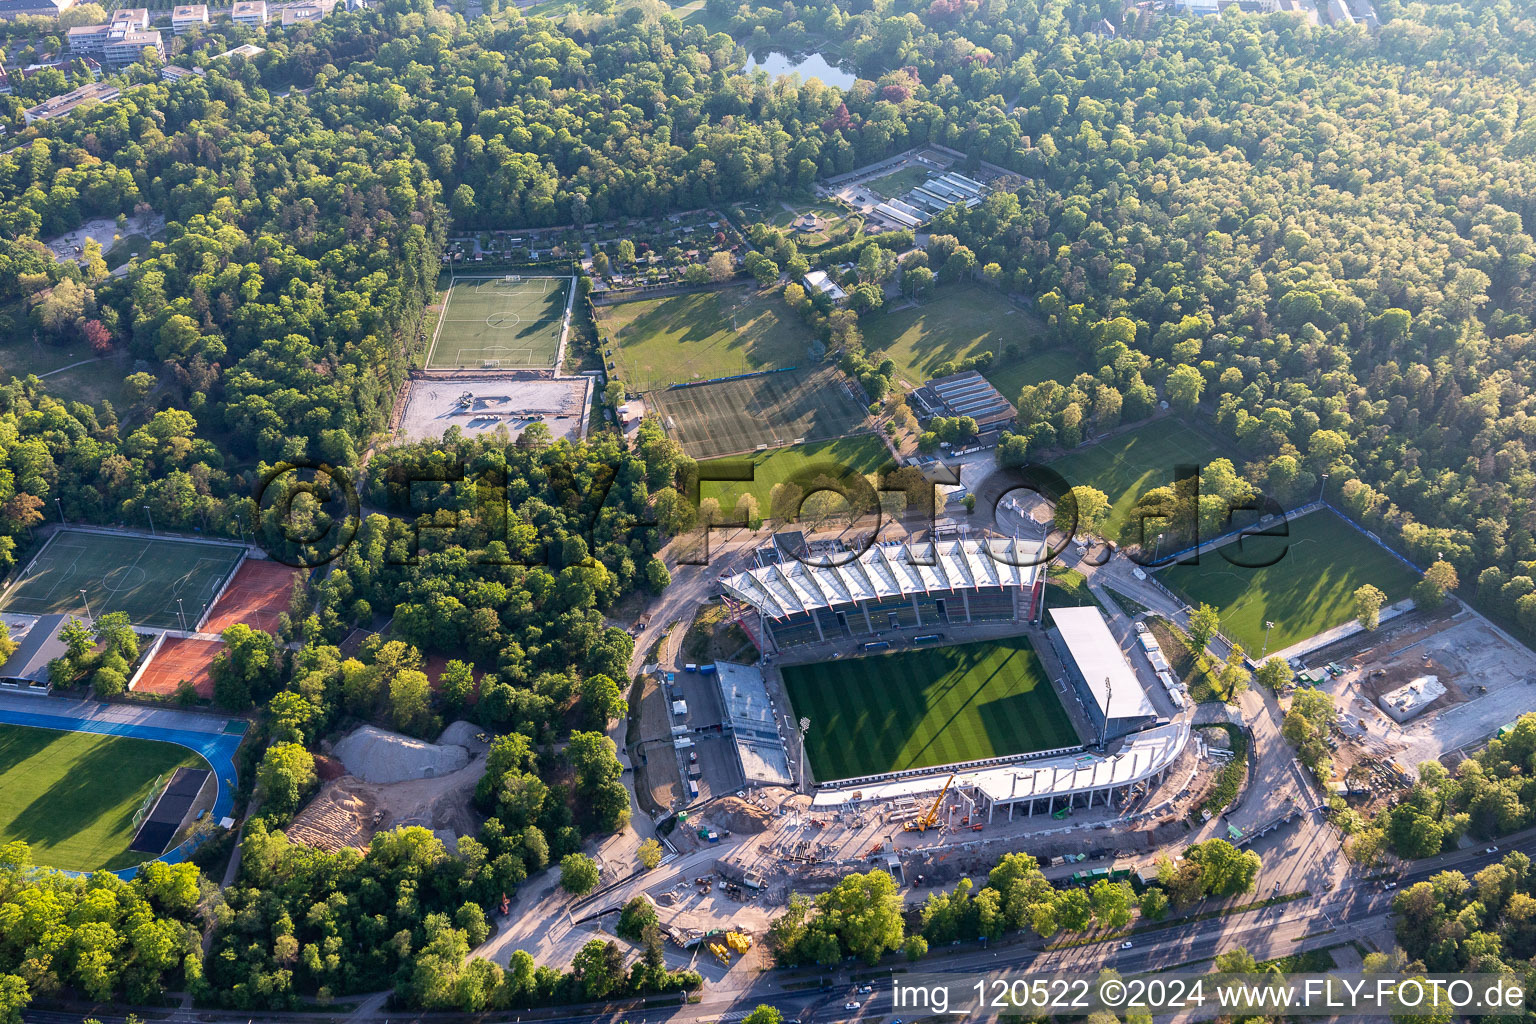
x=920 y=708
x=865 y=454
x=72 y=796
x=689 y=337
x=1128 y=465
x=899 y=183
x=1010 y=375
x=959 y=321
x=1308 y=590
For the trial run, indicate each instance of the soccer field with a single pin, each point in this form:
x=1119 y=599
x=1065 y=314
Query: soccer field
x=865 y=455
x=922 y=708
x=1128 y=465
x=957 y=322
x=72 y=796
x=493 y=322
x=142 y=576
x=1309 y=589
x=702 y=335
x=735 y=416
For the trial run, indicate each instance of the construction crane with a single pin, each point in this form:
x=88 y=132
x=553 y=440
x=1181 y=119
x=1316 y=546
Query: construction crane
x=927 y=821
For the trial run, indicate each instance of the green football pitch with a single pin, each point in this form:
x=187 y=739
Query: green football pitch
x=921 y=708
x=1309 y=588
x=143 y=576
x=493 y=322
x=72 y=796
x=1128 y=465
x=733 y=417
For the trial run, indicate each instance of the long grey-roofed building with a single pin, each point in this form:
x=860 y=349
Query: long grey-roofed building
x=967 y=393
x=888 y=587
x=1108 y=686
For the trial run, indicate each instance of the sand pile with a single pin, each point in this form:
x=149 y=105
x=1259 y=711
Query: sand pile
x=740 y=816
x=375 y=755
x=467 y=735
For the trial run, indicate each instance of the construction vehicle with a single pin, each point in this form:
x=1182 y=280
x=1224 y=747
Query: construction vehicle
x=927 y=821
x=738 y=942
x=721 y=953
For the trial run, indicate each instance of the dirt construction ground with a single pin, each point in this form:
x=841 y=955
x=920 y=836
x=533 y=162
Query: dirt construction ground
x=348 y=811
x=1490 y=681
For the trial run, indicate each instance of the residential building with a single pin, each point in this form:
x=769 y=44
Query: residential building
x=61 y=106
x=120 y=41
x=5 y=82
x=252 y=13
x=306 y=11
x=10 y=9
x=188 y=16
x=175 y=72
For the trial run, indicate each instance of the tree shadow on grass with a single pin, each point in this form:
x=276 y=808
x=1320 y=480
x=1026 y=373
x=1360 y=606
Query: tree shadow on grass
x=93 y=797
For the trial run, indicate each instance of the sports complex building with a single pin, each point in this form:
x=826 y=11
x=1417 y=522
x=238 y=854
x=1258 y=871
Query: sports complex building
x=889 y=586
x=1107 y=685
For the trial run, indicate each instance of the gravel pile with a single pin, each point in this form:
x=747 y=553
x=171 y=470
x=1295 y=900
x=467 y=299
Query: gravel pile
x=375 y=755
x=465 y=734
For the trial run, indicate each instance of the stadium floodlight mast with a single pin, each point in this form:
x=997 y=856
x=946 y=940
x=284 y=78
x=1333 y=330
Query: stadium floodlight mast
x=1268 y=625
x=151 y=516
x=89 y=617
x=1321 y=485
x=1108 y=699
x=183 y=613
x=60 y=508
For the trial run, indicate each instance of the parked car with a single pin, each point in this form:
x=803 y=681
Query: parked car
x=1125 y=945
x=853 y=1005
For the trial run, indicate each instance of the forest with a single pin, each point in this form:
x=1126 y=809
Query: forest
x=1315 y=241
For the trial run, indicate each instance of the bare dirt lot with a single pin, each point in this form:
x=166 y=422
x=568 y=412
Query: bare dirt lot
x=348 y=811
x=1490 y=680
x=432 y=405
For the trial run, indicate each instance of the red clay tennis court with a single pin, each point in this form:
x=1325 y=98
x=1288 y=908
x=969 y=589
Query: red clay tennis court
x=180 y=659
x=257 y=595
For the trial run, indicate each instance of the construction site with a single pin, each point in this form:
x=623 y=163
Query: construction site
x=1452 y=677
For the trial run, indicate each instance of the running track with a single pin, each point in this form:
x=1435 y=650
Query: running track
x=215 y=745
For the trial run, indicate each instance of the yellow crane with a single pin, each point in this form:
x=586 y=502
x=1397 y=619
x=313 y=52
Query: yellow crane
x=927 y=821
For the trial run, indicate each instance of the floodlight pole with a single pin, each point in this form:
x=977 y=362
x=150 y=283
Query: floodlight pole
x=60 y=507
x=182 y=612
x=1268 y=625
x=1104 y=729
x=1320 y=487
x=88 y=614
x=151 y=516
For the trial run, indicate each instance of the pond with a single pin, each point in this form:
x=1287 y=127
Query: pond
x=806 y=65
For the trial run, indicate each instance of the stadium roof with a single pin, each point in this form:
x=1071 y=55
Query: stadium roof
x=885 y=570
x=1144 y=755
x=1102 y=663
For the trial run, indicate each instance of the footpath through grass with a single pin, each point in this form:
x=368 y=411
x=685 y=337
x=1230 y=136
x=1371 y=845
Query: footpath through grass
x=865 y=454
x=957 y=322
x=921 y=708
x=72 y=796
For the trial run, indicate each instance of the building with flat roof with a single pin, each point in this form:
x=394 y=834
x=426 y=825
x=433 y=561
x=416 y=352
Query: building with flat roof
x=1413 y=699
x=965 y=394
x=120 y=41
x=38 y=646
x=749 y=714
x=175 y=73
x=11 y=9
x=61 y=106
x=888 y=586
x=186 y=17
x=1108 y=687
x=305 y=12
x=252 y=13
x=250 y=51
x=818 y=281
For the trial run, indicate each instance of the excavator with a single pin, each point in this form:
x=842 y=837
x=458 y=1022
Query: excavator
x=927 y=821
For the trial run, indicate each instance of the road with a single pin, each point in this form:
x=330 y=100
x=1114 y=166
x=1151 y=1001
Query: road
x=1357 y=911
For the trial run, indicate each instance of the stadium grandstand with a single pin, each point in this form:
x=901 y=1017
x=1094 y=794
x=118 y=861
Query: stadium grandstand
x=965 y=394
x=1034 y=784
x=1106 y=684
x=887 y=587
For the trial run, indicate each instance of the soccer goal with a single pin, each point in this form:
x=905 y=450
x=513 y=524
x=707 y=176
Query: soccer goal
x=490 y=364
